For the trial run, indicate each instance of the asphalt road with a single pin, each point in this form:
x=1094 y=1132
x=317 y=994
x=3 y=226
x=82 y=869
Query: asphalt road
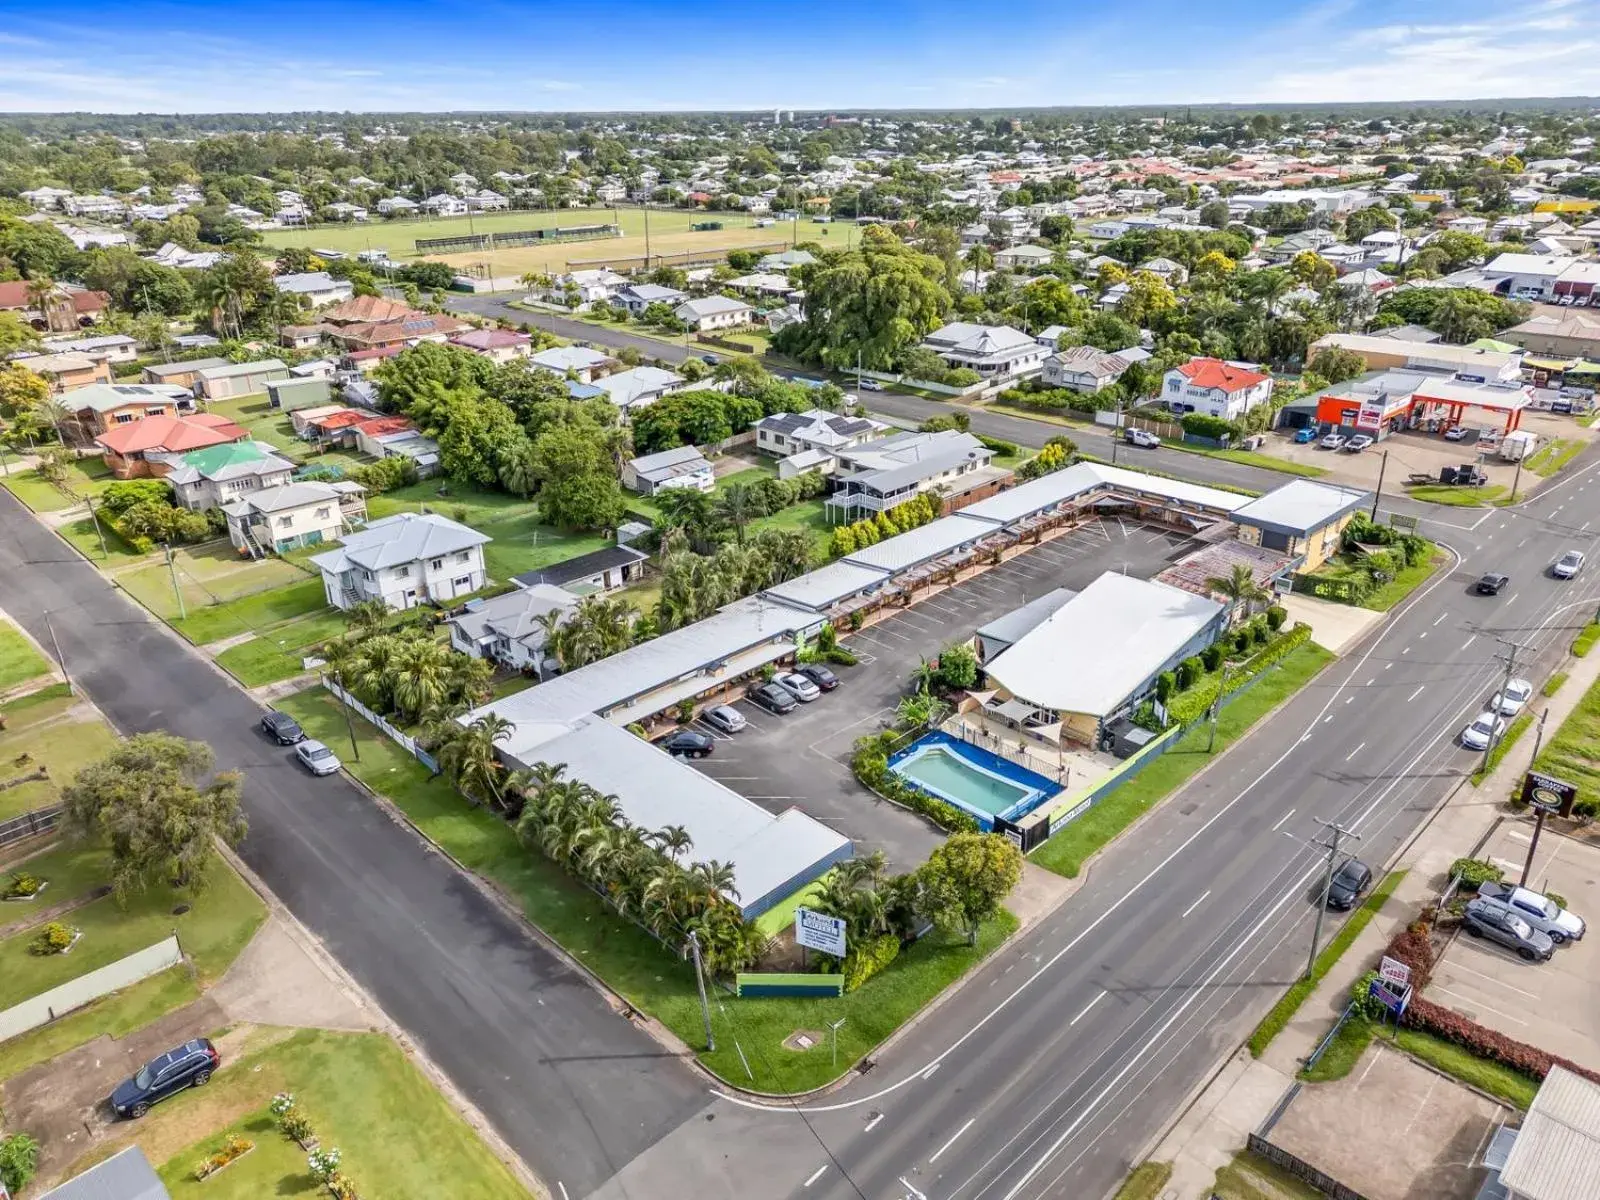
x=1049 y=1073
x=573 y=1087
x=567 y=327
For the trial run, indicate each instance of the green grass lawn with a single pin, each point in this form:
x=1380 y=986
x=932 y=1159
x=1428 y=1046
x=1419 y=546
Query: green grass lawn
x=1553 y=684
x=632 y=962
x=19 y=661
x=1508 y=739
x=398 y=1136
x=1066 y=853
x=208 y=574
x=1511 y=1086
x=1573 y=753
x=62 y=746
x=85 y=477
x=1550 y=458
x=252 y=613
x=260 y=661
x=1458 y=497
x=1584 y=642
x=1342 y=1053
x=1145 y=1182
x=808 y=515
x=1251 y=458
x=212 y=932
x=1386 y=596
x=100 y=544
x=265 y=423
x=110 y=1016
x=1251 y=1177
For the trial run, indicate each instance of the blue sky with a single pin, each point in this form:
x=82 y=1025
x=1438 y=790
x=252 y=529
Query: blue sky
x=226 y=55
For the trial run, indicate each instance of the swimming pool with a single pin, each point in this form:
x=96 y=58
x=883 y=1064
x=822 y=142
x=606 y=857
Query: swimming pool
x=973 y=779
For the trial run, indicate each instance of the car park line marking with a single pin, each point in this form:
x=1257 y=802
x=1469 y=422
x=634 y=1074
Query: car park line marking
x=1085 y=1010
x=1406 y=650
x=1476 y=1003
x=1492 y=979
x=934 y=1157
x=912 y=1193
x=873 y=1124
x=1186 y=912
x=815 y=1175
x=1327 y=718
x=1388 y=666
x=1518 y=835
x=1282 y=819
x=899 y=637
x=1354 y=752
x=1420 y=689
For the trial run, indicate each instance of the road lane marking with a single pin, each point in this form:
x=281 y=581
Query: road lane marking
x=1348 y=699
x=1512 y=599
x=928 y=1074
x=1370 y=682
x=1422 y=635
x=1354 y=752
x=1282 y=819
x=1388 y=666
x=913 y=1193
x=1406 y=650
x=563 y=1188
x=1327 y=718
x=1420 y=689
x=815 y=1175
x=1469 y=641
x=1186 y=912
x=1440 y=617
x=1093 y=1002
x=935 y=1155
x=873 y=1124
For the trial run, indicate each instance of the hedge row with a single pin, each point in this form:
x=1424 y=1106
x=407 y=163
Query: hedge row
x=1486 y=1043
x=867 y=957
x=1190 y=706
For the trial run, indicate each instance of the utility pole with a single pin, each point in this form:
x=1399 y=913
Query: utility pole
x=61 y=658
x=172 y=569
x=700 y=982
x=1516 y=479
x=1538 y=821
x=647 y=235
x=1378 y=495
x=1511 y=665
x=349 y=722
x=1216 y=705
x=1336 y=831
x=94 y=520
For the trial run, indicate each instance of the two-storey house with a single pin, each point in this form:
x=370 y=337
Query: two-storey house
x=404 y=560
x=219 y=475
x=293 y=515
x=1215 y=388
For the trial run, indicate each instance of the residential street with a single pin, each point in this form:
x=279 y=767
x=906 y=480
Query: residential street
x=567 y=327
x=574 y=1088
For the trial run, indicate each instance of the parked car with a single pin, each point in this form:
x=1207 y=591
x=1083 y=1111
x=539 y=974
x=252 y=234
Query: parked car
x=1303 y=436
x=1455 y=433
x=1332 y=442
x=724 y=717
x=319 y=760
x=773 y=698
x=1357 y=444
x=871 y=385
x=798 y=686
x=820 y=675
x=1484 y=728
x=1490 y=584
x=1543 y=913
x=1141 y=437
x=282 y=728
x=710 y=360
x=1350 y=883
x=690 y=743
x=1498 y=923
x=190 y=1065
x=1508 y=702
x=1568 y=565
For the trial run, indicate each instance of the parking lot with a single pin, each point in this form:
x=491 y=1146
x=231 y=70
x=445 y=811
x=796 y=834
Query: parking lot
x=803 y=759
x=1550 y=1005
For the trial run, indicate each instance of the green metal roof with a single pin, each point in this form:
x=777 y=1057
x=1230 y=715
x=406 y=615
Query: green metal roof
x=213 y=458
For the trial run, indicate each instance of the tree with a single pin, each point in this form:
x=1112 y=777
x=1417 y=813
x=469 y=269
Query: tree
x=151 y=800
x=21 y=390
x=1240 y=588
x=578 y=488
x=733 y=506
x=964 y=880
x=1215 y=214
x=1311 y=269
x=1336 y=364
x=467 y=757
x=16 y=334
x=297 y=260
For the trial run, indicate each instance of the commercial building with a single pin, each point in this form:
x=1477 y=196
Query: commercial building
x=1555 y=1154
x=1564 y=335
x=1302 y=519
x=1470 y=363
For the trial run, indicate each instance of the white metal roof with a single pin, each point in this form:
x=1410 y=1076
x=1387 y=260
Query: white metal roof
x=1093 y=651
x=1557 y=1154
x=1302 y=506
x=1038 y=495
x=828 y=585
x=919 y=545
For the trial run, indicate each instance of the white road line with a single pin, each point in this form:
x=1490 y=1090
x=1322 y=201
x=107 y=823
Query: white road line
x=1517 y=835
x=1469 y=641
x=1187 y=911
x=1091 y=1004
x=1475 y=1002
x=913 y=1194
x=563 y=1188
x=1406 y=650
x=1491 y=979
x=815 y=1175
x=1420 y=689
x=1512 y=599
x=1354 y=752
x=934 y=1157
x=1584 y=528
x=1422 y=635
x=1388 y=666
x=1282 y=819
x=1348 y=699
x=1370 y=682
x=1327 y=718
x=928 y=1074
x=1440 y=617
x=873 y=1124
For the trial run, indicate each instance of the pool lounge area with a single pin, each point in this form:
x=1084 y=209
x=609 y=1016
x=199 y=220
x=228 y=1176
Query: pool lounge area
x=973 y=779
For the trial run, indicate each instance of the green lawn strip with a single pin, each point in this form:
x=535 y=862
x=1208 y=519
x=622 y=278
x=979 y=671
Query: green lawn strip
x=1289 y=1003
x=61 y=747
x=258 y=662
x=1251 y=1177
x=1145 y=1182
x=1457 y=497
x=1584 y=642
x=69 y=870
x=32 y=707
x=809 y=515
x=97 y=541
x=252 y=613
x=1515 y=730
x=1498 y=1080
x=214 y=930
x=19 y=661
x=1250 y=458
x=1340 y=1055
x=628 y=959
x=1570 y=753
x=1553 y=684
x=1049 y=418
x=1066 y=853
x=85 y=477
x=1553 y=456
x=110 y=1016
x=398 y=1136
x=265 y=423
x=747 y=476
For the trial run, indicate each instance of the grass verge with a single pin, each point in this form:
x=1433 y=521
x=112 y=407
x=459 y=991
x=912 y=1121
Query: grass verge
x=19 y=661
x=252 y=613
x=1289 y=1003
x=41 y=731
x=110 y=1016
x=1251 y=1177
x=628 y=959
x=1066 y=853
x=1515 y=730
x=1570 y=753
x=1145 y=1181
x=1342 y=1053
x=1553 y=456
x=1456 y=497
x=1511 y=1086
x=1251 y=458
x=1553 y=684
x=1584 y=642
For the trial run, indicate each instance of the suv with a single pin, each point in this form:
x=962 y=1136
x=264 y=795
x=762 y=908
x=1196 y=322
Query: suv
x=1491 y=584
x=1543 y=913
x=871 y=385
x=190 y=1065
x=282 y=728
x=773 y=698
x=1142 y=437
x=1499 y=922
x=1349 y=883
x=688 y=742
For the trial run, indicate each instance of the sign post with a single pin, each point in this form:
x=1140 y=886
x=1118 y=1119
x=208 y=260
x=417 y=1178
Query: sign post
x=817 y=931
x=1545 y=794
x=1392 y=987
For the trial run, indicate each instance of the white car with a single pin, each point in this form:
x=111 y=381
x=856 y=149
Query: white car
x=798 y=686
x=1484 y=727
x=1332 y=442
x=1511 y=701
x=319 y=760
x=1568 y=565
x=1455 y=433
x=1142 y=437
x=1357 y=444
x=871 y=385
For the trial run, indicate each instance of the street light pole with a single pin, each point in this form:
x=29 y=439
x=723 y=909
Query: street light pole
x=1337 y=831
x=700 y=983
x=833 y=1028
x=1378 y=495
x=60 y=657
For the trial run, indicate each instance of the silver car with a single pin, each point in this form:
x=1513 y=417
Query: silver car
x=1499 y=922
x=1568 y=565
x=725 y=718
x=1485 y=727
x=319 y=760
x=798 y=686
x=1543 y=913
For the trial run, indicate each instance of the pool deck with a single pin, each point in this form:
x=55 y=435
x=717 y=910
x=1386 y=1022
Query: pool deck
x=1072 y=768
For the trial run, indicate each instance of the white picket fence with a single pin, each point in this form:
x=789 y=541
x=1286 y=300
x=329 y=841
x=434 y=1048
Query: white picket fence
x=75 y=993
x=398 y=736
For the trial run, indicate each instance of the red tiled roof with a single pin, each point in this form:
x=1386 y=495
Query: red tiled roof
x=175 y=434
x=14 y=294
x=378 y=426
x=367 y=308
x=1214 y=373
x=373 y=352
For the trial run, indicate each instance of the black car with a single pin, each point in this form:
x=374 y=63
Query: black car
x=688 y=742
x=282 y=728
x=1491 y=584
x=190 y=1065
x=773 y=698
x=825 y=679
x=1350 y=882
x=710 y=360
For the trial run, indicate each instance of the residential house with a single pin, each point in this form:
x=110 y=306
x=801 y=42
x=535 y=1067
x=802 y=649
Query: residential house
x=768 y=286
x=1476 y=226
x=1109 y=230
x=105 y=406
x=360 y=310
x=680 y=467
x=317 y=288
x=442 y=205
x=179 y=374
x=67 y=372
x=291 y=516
x=877 y=475
x=640 y=296
x=304 y=420
x=1050 y=337
x=1083 y=369
x=1166 y=270
x=238 y=379
x=396 y=206
x=511 y=629
x=589 y=285
x=149 y=448
x=63 y=309
x=639 y=386
x=714 y=312
x=219 y=475
x=582 y=363
x=173 y=255
x=786 y=260
x=300 y=337
x=1565 y=334
x=785 y=434
x=108 y=348
x=126 y=1175
x=1215 y=388
x=1026 y=257
x=397 y=335
x=497 y=345
x=343 y=211
x=603 y=570
x=404 y=560
x=996 y=352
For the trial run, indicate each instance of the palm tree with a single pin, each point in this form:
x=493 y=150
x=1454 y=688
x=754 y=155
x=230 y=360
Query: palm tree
x=518 y=469
x=683 y=508
x=673 y=841
x=469 y=760
x=734 y=507
x=1239 y=587
x=421 y=677
x=39 y=292
x=368 y=618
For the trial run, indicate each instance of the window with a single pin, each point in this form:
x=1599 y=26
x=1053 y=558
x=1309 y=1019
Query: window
x=322 y=513
x=402 y=572
x=367 y=575
x=123 y=419
x=436 y=564
x=285 y=522
x=462 y=556
x=464 y=582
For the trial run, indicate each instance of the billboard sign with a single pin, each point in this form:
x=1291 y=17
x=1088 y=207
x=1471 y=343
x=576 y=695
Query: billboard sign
x=1393 y=996
x=1370 y=416
x=1547 y=794
x=816 y=931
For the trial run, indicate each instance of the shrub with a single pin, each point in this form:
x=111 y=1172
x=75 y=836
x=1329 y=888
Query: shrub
x=868 y=957
x=958 y=666
x=1473 y=871
x=19 y=1159
x=54 y=938
x=1361 y=998
x=23 y=884
x=1413 y=947
x=1212 y=656
x=281 y=1105
x=1556 y=898
x=1259 y=632
x=323 y=1163
x=685 y=711
x=999 y=446
x=1276 y=615
x=1201 y=425
x=1166 y=684
x=386 y=474
x=1485 y=1043
x=1193 y=704
x=1189 y=671
x=1588 y=808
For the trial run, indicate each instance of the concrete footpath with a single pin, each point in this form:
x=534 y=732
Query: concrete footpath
x=1216 y=1125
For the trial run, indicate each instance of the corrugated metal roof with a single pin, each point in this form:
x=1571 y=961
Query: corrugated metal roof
x=828 y=585
x=1300 y=506
x=919 y=545
x=1013 y=626
x=124 y=1176
x=1557 y=1155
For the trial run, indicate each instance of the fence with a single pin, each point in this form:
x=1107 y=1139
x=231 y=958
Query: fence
x=75 y=993
x=399 y=736
x=29 y=824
